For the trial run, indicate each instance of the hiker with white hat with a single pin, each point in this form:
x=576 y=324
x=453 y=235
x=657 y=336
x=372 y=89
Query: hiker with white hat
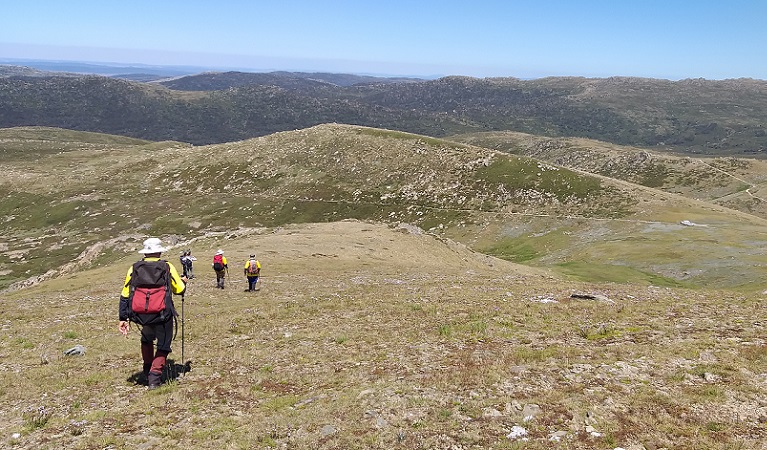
x=221 y=268
x=146 y=299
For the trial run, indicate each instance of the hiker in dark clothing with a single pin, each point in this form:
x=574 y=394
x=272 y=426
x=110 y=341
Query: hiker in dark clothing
x=183 y=260
x=155 y=326
x=190 y=259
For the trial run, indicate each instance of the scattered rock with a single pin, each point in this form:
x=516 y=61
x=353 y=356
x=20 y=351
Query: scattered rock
x=557 y=436
x=530 y=411
x=517 y=432
x=491 y=413
x=592 y=431
x=327 y=431
x=711 y=377
x=380 y=422
x=543 y=299
x=409 y=228
x=77 y=350
x=598 y=297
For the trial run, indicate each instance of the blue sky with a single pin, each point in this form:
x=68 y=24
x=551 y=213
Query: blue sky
x=670 y=39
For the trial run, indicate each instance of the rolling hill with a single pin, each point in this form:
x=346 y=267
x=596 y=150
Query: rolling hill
x=736 y=183
x=456 y=263
x=416 y=293
x=516 y=208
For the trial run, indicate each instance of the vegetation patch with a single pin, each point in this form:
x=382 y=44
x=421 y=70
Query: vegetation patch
x=590 y=271
x=515 y=249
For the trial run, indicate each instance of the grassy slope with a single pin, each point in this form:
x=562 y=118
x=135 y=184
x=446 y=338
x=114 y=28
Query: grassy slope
x=364 y=336
x=665 y=247
x=367 y=336
x=732 y=182
x=515 y=208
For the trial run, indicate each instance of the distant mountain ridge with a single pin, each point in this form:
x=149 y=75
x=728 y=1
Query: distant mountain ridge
x=215 y=81
x=104 y=69
x=690 y=116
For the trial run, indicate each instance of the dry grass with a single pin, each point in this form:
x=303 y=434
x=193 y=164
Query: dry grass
x=365 y=336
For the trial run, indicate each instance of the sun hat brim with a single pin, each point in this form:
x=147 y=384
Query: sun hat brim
x=145 y=251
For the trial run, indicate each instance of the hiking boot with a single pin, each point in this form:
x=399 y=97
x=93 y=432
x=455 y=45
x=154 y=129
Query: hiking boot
x=143 y=379
x=155 y=379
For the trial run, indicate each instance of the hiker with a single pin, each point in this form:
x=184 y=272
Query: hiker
x=221 y=268
x=190 y=259
x=183 y=261
x=252 y=271
x=152 y=275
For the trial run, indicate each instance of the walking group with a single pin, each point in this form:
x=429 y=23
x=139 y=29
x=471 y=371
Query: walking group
x=146 y=299
x=251 y=271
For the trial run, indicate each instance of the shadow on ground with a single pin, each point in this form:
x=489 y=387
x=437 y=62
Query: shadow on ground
x=172 y=371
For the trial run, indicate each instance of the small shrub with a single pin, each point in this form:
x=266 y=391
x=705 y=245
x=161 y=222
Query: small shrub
x=37 y=418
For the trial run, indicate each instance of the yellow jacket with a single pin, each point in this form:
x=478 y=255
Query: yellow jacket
x=177 y=285
x=247 y=266
x=223 y=260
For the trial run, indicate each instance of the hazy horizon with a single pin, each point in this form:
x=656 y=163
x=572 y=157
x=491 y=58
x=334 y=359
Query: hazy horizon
x=590 y=38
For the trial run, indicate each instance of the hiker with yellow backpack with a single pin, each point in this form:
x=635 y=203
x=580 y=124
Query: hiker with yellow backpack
x=252 y=271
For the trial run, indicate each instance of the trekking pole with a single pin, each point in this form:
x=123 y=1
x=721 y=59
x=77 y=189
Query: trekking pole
x=183 y=366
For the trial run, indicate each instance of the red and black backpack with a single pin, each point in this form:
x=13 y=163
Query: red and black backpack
x=150 y=292
x=218 y=263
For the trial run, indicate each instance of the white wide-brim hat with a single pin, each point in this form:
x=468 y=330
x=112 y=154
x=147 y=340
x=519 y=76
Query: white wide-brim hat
x=220 y=252
x=152 y=245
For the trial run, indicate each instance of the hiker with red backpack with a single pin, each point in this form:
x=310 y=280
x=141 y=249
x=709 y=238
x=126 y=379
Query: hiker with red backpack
x=252 y=271
x=221 y=268
x=146 y=299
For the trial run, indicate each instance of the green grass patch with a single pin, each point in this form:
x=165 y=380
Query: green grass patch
x=528 y=355
x=655 y=176
x=596 y=272
x=517 y=174
x=604 y=332
x=281 y=402
x=517 y=250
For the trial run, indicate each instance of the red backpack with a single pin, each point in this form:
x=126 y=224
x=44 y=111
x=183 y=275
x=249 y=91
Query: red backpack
x=218 y=263
x=150 y=292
